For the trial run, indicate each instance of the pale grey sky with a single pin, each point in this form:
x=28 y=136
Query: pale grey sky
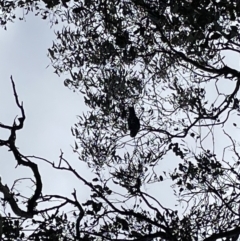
x=50 y=107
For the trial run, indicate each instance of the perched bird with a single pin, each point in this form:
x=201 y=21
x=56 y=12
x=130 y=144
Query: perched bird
x=133 y=122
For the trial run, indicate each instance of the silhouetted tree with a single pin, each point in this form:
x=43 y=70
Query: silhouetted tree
x=166 y=57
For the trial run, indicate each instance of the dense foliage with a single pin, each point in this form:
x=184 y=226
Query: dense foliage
x=164 y=59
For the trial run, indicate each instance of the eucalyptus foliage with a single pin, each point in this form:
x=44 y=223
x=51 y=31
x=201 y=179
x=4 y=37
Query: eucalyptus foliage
x=165 y=58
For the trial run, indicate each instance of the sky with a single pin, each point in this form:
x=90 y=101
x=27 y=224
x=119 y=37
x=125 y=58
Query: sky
x=50 y=107
x=51 y=110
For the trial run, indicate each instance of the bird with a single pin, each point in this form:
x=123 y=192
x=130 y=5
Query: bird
x=133 y=122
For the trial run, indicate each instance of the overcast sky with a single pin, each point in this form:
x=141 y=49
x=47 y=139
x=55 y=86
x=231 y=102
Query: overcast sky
x=50 y=109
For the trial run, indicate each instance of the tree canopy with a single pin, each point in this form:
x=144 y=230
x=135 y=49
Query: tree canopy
x=165 y=59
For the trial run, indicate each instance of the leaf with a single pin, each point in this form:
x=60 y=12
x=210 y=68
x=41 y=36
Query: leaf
x=51 y=52
x=192 y=134
x=215 y=36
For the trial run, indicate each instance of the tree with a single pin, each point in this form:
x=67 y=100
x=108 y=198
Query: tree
x=160 y=57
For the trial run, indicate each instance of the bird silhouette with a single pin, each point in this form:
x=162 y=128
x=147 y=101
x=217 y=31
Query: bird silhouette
x=133 y=122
